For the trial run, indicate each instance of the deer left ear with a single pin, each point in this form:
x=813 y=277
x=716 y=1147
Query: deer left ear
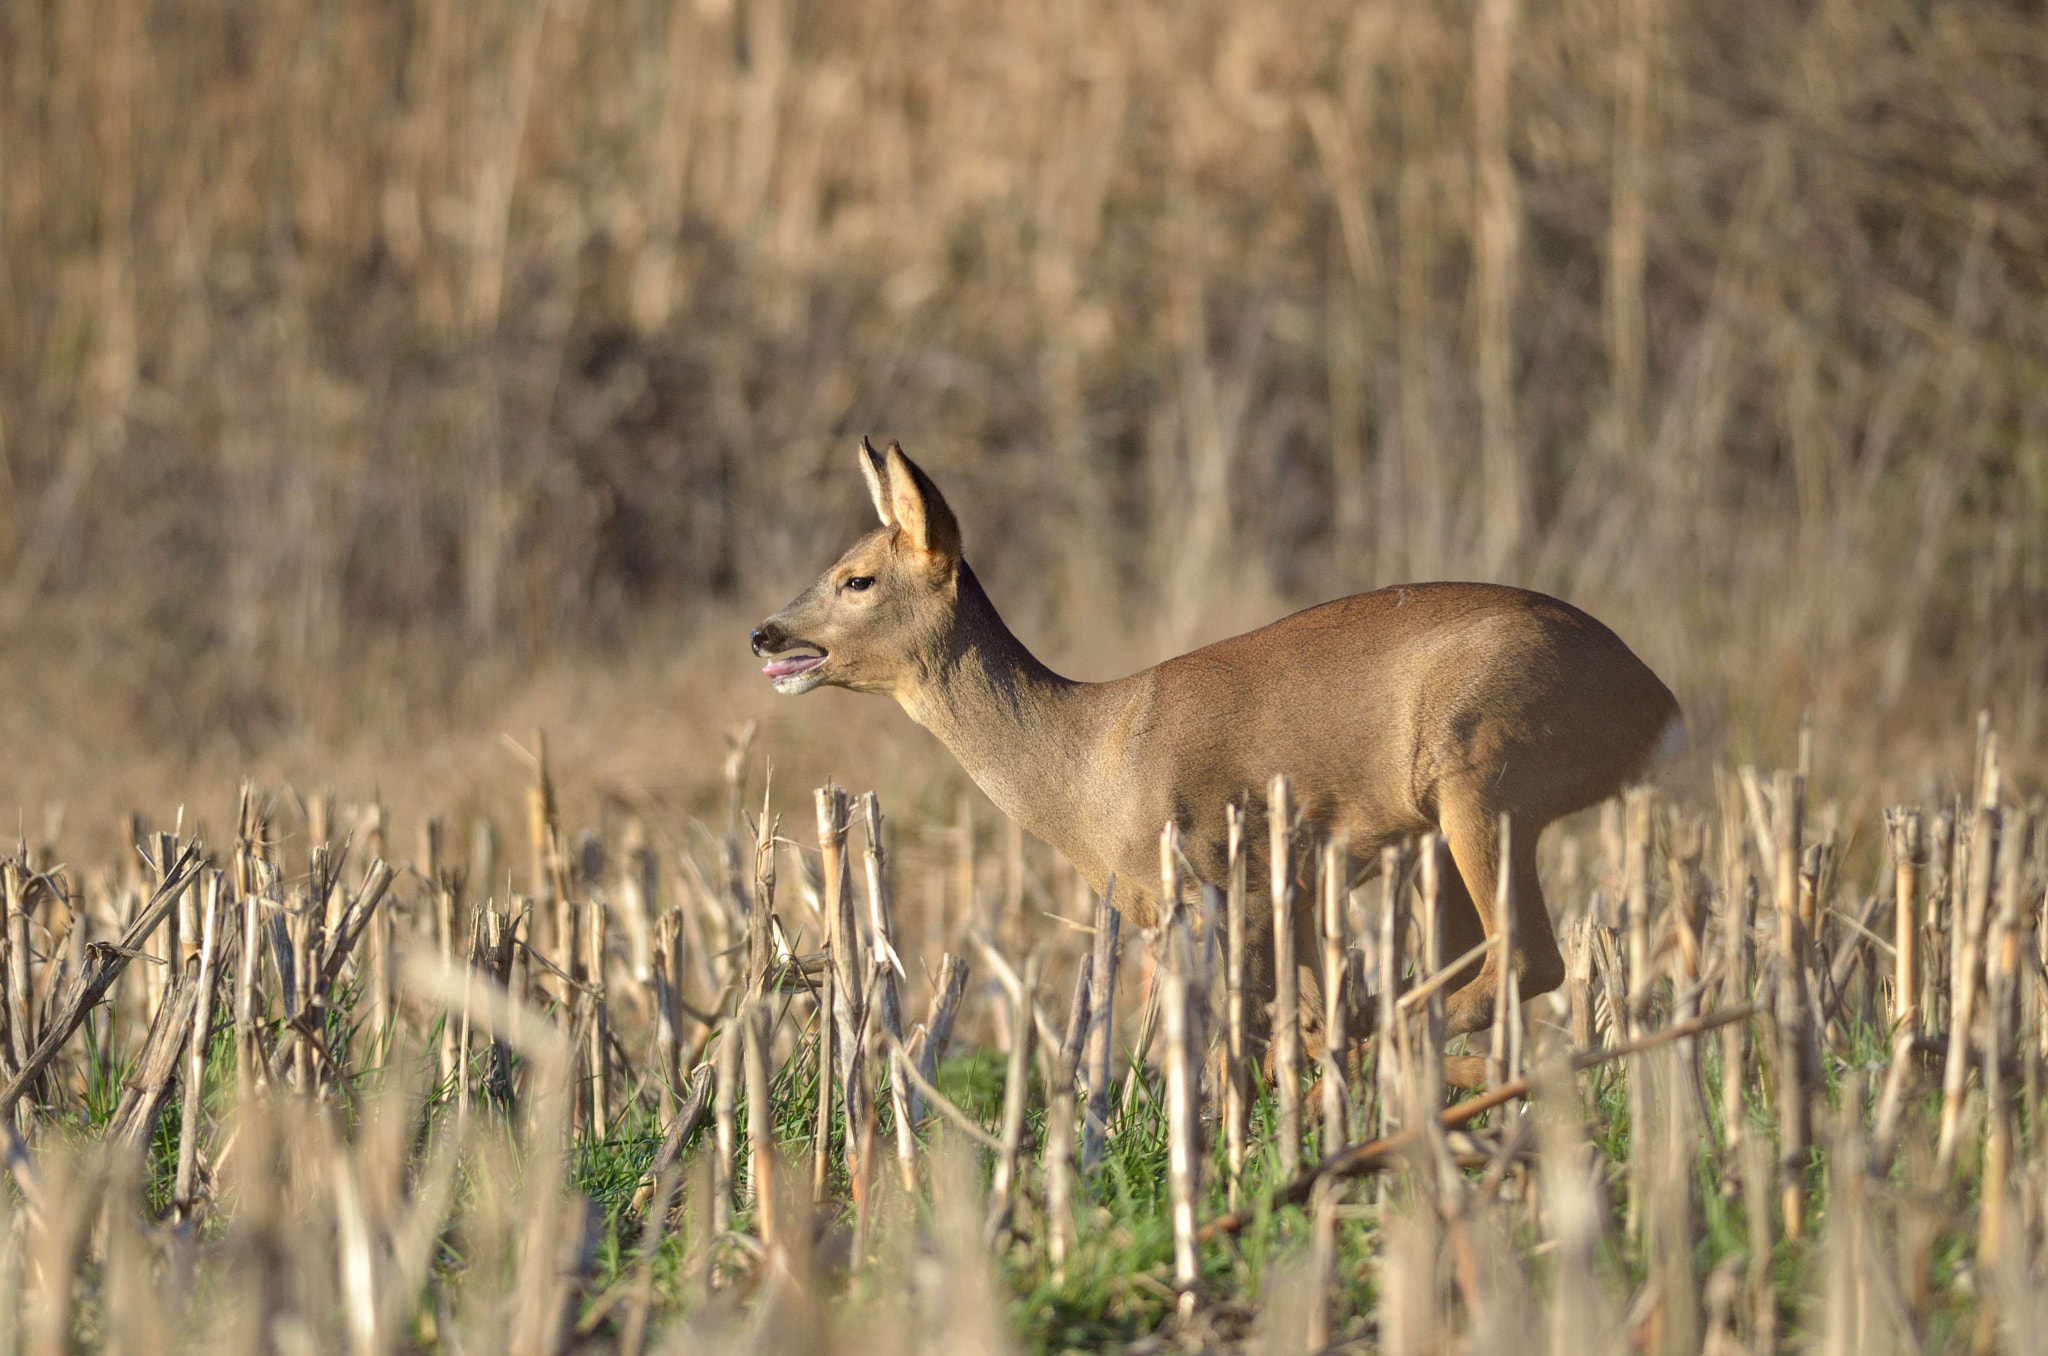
x=919 y=509
x=874 y=470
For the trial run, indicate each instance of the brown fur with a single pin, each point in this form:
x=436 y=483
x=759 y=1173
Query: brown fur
x=1423 y=706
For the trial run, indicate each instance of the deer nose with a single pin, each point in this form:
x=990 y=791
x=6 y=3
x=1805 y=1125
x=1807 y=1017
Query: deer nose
x=767 y=637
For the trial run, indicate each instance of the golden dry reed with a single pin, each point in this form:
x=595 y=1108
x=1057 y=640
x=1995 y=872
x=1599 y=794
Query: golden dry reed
x=383 y=347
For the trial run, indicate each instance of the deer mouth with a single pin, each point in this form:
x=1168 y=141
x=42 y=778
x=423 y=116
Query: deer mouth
x=786 y=670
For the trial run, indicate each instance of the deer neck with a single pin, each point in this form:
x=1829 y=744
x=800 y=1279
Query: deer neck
x=1021 y=731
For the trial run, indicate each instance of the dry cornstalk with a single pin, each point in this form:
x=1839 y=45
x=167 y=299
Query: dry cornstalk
x=1075 y=1032
x=1687 y=838
x=821 y=1136
x=694 y=1106
x=1148 y=1023
x=168 y=946
x=1322 y=1262
x=500 y=952
x=1998 y=1127
x=597 y=935
x=554 y=1236
x=844 y=945
x=1668 y=1141
x=1236 y=1068
x=249 y=1064
x=1426 y=1054
x=1183 y=1119
x=1170 y=940
x=1903 y=832
x=1637 y=817
x=1101 y=1026
x=135 y=1116
x=1357 y=1159
x=1286 y=996
x=185 y=1189
x=887 y=970
x=1391 y=964
x=1756 y=1177
x=1508 y=989
x=2002 y=959
x=758 y=907
x=540 y=830
x=104 y=964
x=2001 y=985
x=1738 y=902
x=936 y=1101
x=1578 y=978
x=443 y=900
x=377 y=953
x=1016 y=1085
x=342 y=943
x=947 y=991
x=1793 y=1006
x=722 y=1109
x=319 y=977
x=639 y=898
x=1336 y=876
x=754 y=1025
x=1059 y=1125
x=1966 y=977
x=1940 y=917
x=1891 y=1104
x=20 y=991
x=667 y=1003
x=633 y=1334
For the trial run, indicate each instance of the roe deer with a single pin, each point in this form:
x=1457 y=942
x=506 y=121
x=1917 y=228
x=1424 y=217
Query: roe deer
x=1424 y=706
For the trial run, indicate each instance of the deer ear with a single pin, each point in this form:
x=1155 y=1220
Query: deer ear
x=918 y=507
x=875 y=471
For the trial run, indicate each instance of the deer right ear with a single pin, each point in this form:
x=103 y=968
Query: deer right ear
x=875 y=470
x=918 y=508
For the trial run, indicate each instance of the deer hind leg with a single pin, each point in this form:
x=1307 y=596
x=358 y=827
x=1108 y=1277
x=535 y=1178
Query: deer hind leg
x=1472 y=828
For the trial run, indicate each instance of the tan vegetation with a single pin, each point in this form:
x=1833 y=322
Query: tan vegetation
x=377 y=378
x=250 y=1102
x=356 y=360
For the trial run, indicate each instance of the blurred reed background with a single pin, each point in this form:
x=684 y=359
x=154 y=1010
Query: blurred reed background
x=384 y=374
x=381 y=377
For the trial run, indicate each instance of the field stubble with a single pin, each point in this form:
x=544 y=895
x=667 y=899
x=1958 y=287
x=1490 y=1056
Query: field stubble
x=666 y=1087
x=375 y=379
x=376 y=374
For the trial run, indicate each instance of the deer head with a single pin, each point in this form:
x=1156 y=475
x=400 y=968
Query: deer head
x=881 y=617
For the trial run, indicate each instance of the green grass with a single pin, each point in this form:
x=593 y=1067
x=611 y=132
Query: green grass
x=1116 y=1281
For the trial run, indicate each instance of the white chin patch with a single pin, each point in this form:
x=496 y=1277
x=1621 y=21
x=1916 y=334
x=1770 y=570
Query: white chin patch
x=792 y=684
x=793 y=673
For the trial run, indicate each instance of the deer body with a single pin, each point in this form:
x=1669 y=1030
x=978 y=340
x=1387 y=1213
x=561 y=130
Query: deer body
x=1423 y=706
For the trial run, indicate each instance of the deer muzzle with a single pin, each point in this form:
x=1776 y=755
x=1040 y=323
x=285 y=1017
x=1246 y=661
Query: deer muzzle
x=788 y=659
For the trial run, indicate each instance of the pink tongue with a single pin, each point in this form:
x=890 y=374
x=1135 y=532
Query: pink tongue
x=783 y=668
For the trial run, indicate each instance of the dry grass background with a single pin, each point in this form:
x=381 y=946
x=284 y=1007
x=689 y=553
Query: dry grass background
x=378 y=377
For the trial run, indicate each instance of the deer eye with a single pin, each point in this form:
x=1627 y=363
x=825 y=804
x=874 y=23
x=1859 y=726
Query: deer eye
x=860 y=583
